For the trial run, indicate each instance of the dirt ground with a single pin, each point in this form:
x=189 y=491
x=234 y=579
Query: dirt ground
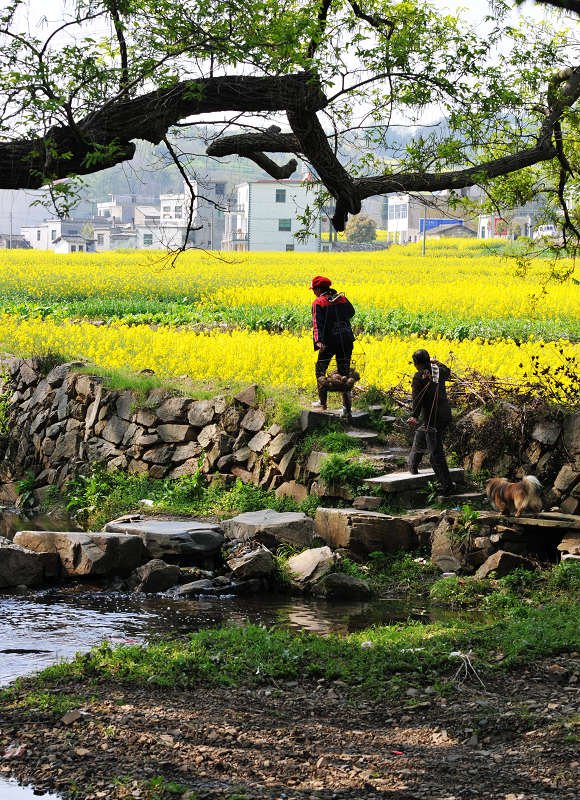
x=517 y=739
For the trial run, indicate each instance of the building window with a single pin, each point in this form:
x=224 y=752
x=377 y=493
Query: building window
x=220 y=213
x=280 y=195
x=37 y=236
x=167 y=208
x=147 y=239
x=178 y=212
x=284 y=224
x=325 y=248
x=289 y=248
x=73 y=248
x=100 y=239
x=52 y=236
x=80 y=248
x=220 y=188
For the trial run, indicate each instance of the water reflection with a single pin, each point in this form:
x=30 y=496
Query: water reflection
x=10 y=790
x=13 y=519
x=40 y=628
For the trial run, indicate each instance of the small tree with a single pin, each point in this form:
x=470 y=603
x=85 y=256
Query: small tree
x=361 y=228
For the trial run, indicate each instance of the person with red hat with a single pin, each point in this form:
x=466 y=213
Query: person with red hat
x=332 y=335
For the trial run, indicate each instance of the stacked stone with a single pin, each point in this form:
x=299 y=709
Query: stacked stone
x=66 y=419
x=552 y=453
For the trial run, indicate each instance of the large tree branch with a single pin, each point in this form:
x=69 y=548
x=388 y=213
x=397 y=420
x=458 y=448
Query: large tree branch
x=309 y=139
x=103 y=138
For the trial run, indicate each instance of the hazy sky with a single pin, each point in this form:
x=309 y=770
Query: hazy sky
x=17 y=202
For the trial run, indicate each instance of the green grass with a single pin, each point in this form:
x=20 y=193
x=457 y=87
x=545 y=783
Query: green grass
x=99 y=496
x=254 y=655
x=499 y=596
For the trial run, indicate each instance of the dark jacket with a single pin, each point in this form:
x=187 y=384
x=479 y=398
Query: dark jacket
x=331 y=315
x=430 y=397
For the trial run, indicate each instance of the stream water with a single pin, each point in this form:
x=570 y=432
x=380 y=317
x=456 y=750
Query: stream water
x=39 y=628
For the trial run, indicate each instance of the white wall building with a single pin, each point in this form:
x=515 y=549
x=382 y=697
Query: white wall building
x=265 y=217
x=407 y=214
x=513 y=222
x=44 y=235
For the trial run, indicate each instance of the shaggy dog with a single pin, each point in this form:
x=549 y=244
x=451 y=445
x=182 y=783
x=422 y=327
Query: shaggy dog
x=515 y=497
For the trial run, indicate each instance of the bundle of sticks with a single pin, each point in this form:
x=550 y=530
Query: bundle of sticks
x=335 y=382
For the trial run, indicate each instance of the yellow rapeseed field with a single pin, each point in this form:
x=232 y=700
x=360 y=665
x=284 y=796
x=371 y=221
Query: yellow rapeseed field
x=459 y=277
x=454 y=277
x=269 y=359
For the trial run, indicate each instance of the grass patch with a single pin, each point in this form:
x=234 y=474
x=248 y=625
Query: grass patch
x=339 y=469
x=504 y=594
x=99 y=496
x=393 y=573
x=254 y=655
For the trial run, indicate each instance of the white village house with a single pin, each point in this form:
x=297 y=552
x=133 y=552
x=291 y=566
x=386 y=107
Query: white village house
x=265 y=217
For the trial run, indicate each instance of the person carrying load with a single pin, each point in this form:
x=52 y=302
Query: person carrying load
x=430 y=400
x=333 y=336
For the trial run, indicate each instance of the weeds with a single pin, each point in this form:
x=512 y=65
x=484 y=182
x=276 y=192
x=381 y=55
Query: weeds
x=338 y=469
x=98 y=496
x=254 y=655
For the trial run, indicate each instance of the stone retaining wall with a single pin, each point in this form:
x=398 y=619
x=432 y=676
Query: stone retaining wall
x=512 y=442
x=64 y=420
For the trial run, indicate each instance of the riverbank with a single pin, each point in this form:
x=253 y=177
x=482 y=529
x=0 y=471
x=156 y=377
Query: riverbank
x=515 y=739
x=393 y=711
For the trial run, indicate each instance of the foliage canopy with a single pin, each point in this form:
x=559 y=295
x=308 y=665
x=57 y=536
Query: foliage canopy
x=315 y=78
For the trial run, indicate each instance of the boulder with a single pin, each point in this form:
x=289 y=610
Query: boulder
x=115 y=429
x=174 y=433
x=154 y=576
x=546 y=431
x=566 y=479
x=271 y=527
x=19 y=566
x=207 y=435
x=502 y=563
x=336 y=585
x=363 y=532
x=255 y=564
x=297 y=491
x=279 y=444
x=87 y=554
x=242 y=474
x=258 y=442
x=174 y=409
x=310 y=565
x=314 y=462
x=193 y=588
x=570 y=544
x=254 y=420
x=572 y=433
x=187 y=541
x=125 y=405
x=446 y=553
x=570 y=505
x=367 y=502
x=247 y=396
x=200 y=413
x=285 y=465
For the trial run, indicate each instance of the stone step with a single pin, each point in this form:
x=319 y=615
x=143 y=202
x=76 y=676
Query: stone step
x=311 y=418
x=462 y=497
x=362 y=435
x=545 y=520
x=406 y=481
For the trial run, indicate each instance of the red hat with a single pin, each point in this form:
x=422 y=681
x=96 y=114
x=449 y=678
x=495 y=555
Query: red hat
x=319 y=281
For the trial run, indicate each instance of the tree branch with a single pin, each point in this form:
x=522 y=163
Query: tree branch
x=108 y=131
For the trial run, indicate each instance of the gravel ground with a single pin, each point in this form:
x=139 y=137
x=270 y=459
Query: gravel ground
x=515 y=740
